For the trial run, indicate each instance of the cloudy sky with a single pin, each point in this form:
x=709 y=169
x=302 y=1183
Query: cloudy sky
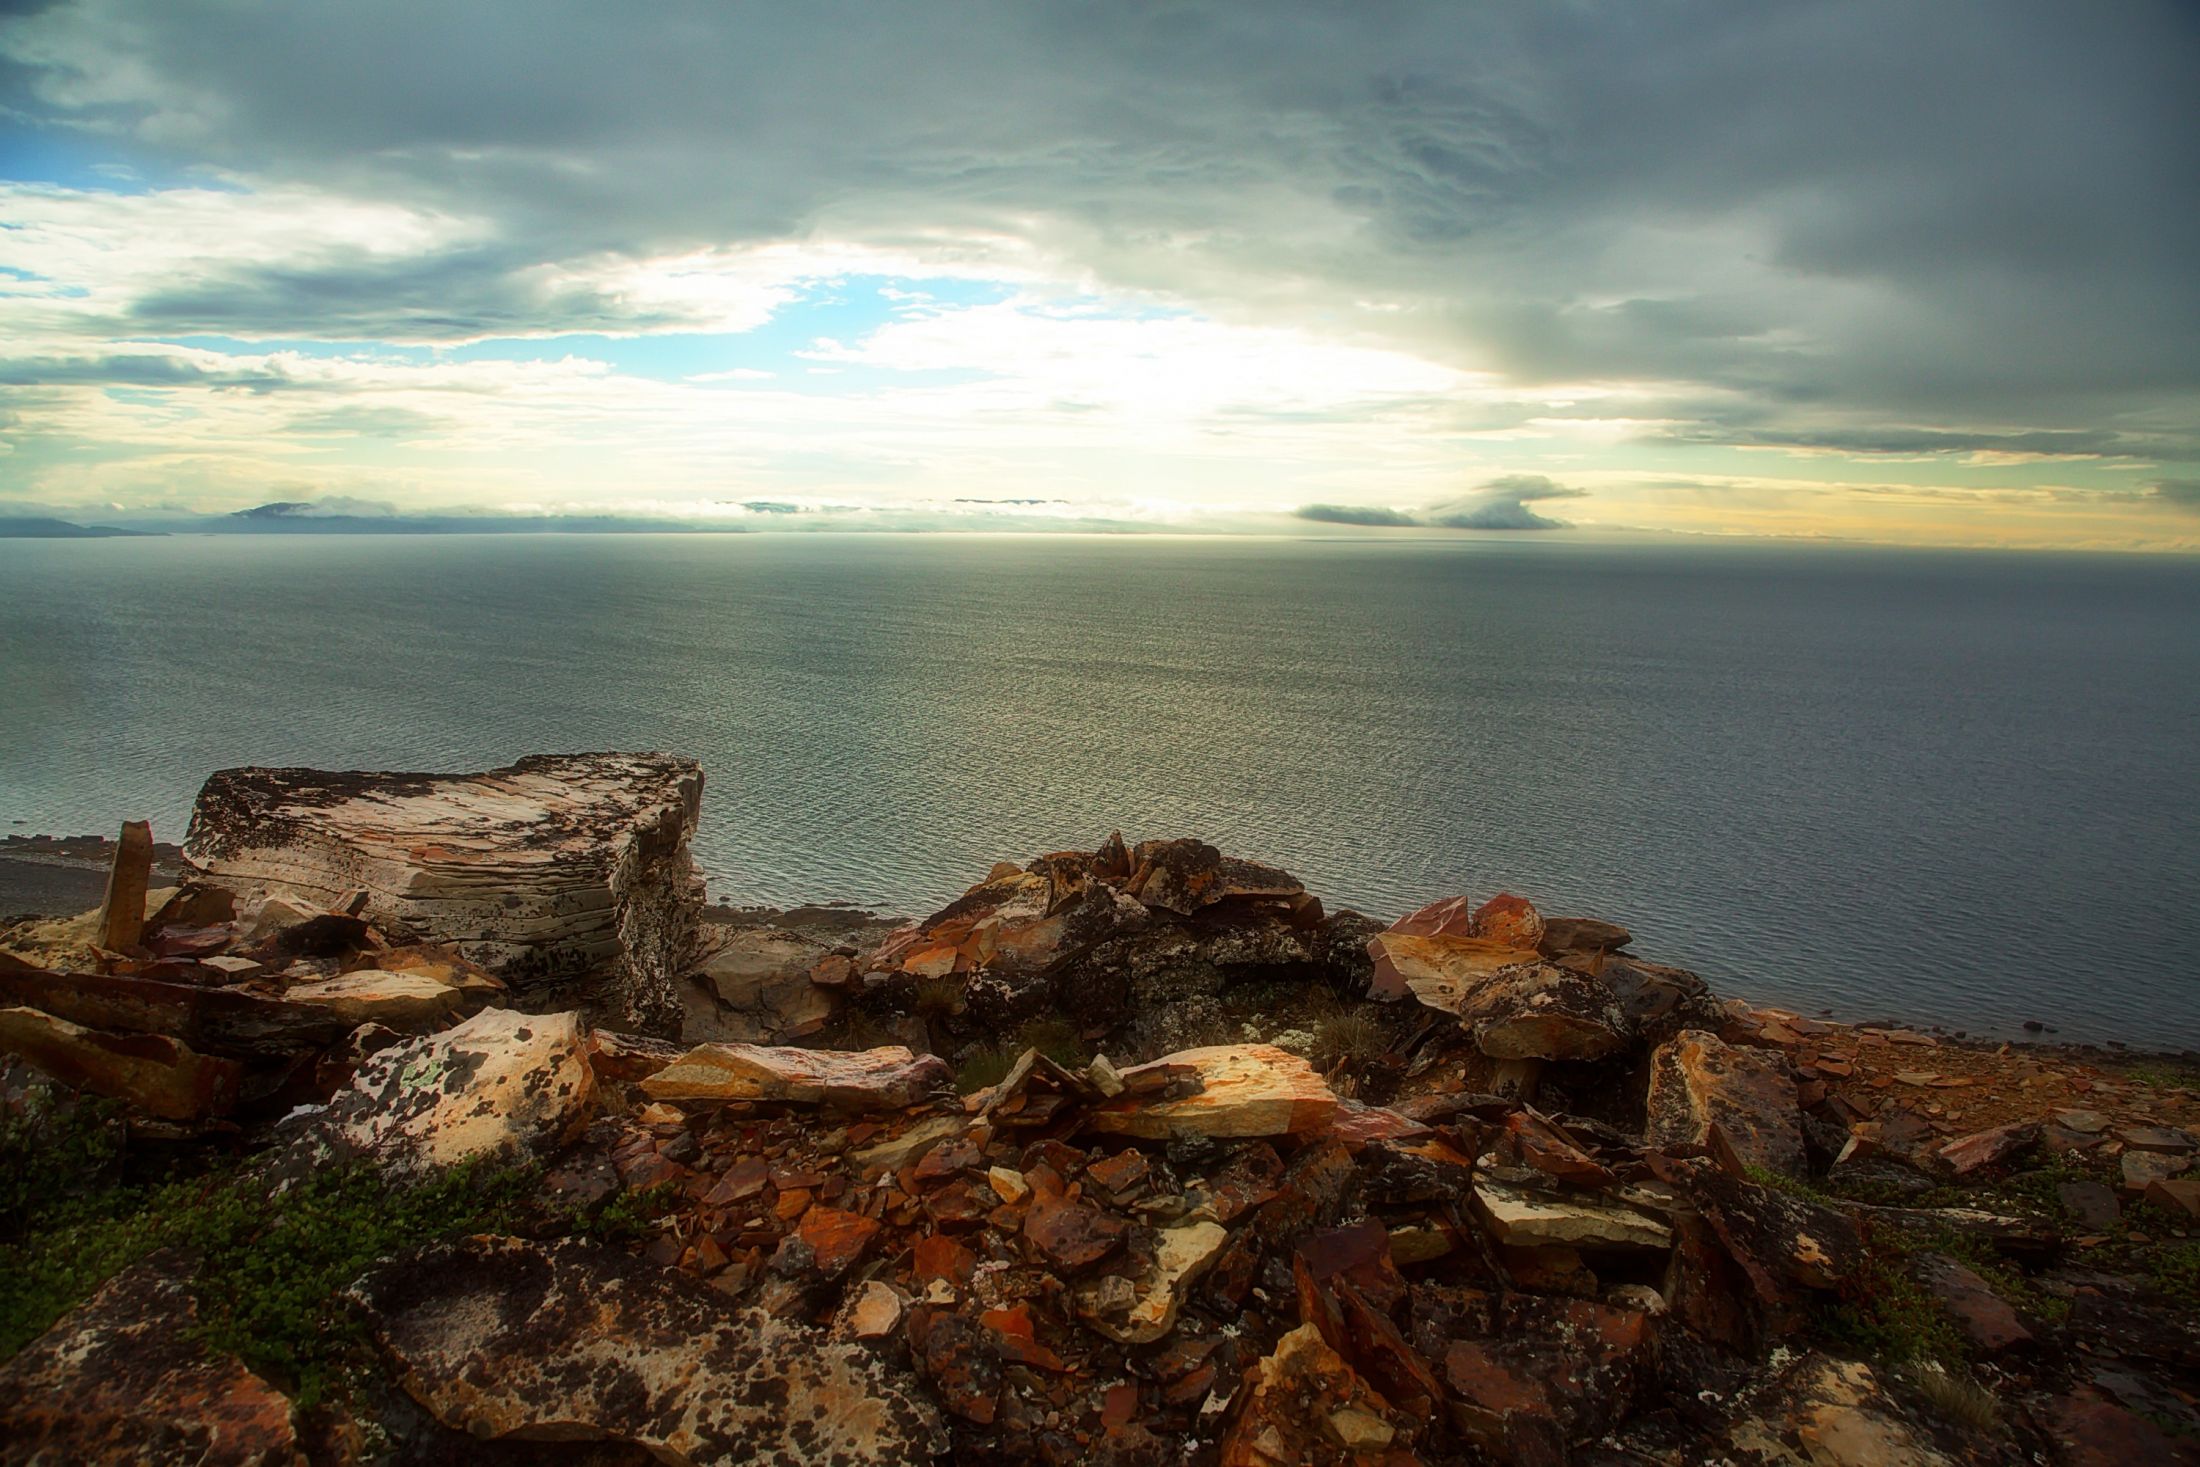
x=1892 y=271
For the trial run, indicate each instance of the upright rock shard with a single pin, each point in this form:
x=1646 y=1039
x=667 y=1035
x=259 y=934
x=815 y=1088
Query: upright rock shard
x=568 y=876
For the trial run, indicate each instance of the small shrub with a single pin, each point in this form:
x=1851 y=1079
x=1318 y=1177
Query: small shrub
x=1350 y=1036
x=988 y=1066
x=937 y=998
x=1056 y=1039
x=1887 y=1317
x=1957 y=1396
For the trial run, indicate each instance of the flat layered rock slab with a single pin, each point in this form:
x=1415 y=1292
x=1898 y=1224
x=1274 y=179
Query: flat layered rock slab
x=160 y=1076
x=499 y=1337
x=1520 y=1218
x=559 y=872
x=1738 y=1102
x=892 y=1077
x=122 y=1379
x=1245 y=1090
x=503 y=1082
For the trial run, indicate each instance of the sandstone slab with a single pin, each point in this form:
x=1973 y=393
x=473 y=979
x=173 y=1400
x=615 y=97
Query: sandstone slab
x=1520 y=1218
x=761 y=976
x=161 y=1076
x=503 y=1338
x=1245 y=1090
x=566 y=875
x=503 y=1082
x=1737 y=1102
x=889 y=1078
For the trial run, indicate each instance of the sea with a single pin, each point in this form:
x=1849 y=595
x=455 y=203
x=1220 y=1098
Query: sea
x=1953 y=788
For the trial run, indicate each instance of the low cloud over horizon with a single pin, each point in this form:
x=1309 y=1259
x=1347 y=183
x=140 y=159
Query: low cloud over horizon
x=1869 y=270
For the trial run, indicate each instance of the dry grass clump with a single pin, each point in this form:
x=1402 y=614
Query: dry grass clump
x=937 y=998
x=1348 y=1035
x=1956 y=1396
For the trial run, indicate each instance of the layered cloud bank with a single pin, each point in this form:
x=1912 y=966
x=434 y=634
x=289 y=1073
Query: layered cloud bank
x=1872 y=269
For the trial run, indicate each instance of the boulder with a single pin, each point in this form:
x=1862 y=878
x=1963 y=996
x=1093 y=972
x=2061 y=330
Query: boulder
x=762 y=977
x=1739 y=1103
x=1983 y=1315
x=568 y=876
x=158 y=1075
x=503 y=1338
x=501 y=1083
x=124 y=1378
x=1181 y=1255
x=1245 y=1090
x=1967 y=1154
x=889 y=1078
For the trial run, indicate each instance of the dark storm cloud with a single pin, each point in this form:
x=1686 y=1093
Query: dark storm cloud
x=1913 y=442
x=128 y=370
x=2179 y=494
x=1966 y=216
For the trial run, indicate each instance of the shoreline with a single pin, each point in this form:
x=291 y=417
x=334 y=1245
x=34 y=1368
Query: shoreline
x=62 y=876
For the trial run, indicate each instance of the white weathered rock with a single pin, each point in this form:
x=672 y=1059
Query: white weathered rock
x=762 y=977
x=1524 y=1219
x=407 y=1002
x=1184 y=1253
x=1245 y=1090
x=568 y=876
x=889 y=1078
x=502 y=1083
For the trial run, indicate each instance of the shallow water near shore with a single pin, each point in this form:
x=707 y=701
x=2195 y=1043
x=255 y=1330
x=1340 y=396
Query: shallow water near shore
x=1953 y=788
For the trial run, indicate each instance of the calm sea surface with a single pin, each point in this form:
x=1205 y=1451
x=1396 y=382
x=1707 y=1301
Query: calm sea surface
x=1954 y=788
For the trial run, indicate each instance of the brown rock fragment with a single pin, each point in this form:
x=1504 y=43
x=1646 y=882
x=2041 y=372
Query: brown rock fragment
x=123 y=1378
x=122 y=914
x=156 y=1074
x=889 y=1078
x=1246 y=1090
x=1968 y=1154
x=1292 y=1401
x=1738 y=1103
x=499 y=1337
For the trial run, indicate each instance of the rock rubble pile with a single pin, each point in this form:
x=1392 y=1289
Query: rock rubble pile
x=1131 y=1156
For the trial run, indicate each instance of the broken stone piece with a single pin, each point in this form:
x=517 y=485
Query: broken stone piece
x=1246 y=1090
x=1181 y=1256
x=2140 y=1170
x=123 y=1377
x=563 y=874
x=499 y=1337
x=876 y=1311
x=889 y=1078
x=1983 y=1315
x=402 y=1001
x=122 y=914
x=1292 y=1397
x=1967 y=1154
x=502 y=1082
x=1524 y=1219
x=1737 y=1102
x=764 y=977
x=160 y=1076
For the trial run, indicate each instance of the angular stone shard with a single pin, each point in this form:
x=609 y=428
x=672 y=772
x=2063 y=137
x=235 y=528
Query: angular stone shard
x=566 y=875
x=122 y=914
x=1306 y=1406
x=569 y=1341
x=1183 y=1254
x=502 y=1082
x=402 y=1001
x=1523 y=1219
x=1245 y=1090
x=1739 y=1103
x=158 y=1075
x=888 y=1078
x=763 y=977
x=222 y=1021
x=121 y=1378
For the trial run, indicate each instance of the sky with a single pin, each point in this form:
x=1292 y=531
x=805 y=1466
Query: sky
x=1879 y=271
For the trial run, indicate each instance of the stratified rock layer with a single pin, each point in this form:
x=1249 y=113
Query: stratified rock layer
x=500 y=1337
x=566 y=875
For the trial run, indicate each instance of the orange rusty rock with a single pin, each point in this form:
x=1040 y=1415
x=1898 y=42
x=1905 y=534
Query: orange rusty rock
x=941 y=1257
x=1304 y=1404
x=1069 y=1234
x=158 y=1075
x=837 y=1239
x=1509 y=919
x=1738 y=1103
x=1247 y=1090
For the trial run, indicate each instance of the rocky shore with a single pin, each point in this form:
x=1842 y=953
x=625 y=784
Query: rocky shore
x=421 y=1119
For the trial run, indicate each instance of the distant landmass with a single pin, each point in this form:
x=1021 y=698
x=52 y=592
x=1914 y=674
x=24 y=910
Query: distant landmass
x=290 y=517
x=35 y=527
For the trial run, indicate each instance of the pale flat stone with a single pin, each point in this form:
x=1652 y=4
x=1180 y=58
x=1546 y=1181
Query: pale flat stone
x=1183 y=1254
x=1246 y=1090
x=568 y=876
x=500 y=1083
x=889 y=1078
x=762 y=976
x=1524 y=1219
x=403 y=1001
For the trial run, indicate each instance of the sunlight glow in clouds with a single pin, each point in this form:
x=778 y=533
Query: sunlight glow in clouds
x=1720 y=271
